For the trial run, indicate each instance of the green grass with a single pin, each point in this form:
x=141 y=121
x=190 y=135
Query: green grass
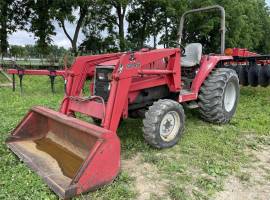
x=196 y=167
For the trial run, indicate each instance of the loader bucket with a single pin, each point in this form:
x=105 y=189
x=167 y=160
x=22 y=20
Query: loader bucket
x=70 y=155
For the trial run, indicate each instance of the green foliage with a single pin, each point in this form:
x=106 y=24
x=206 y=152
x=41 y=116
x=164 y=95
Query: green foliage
x=143 y=21
x=41 y=23
x=97 y=45
x=117 y=18
x=108 y=19
x=150 y=18
x=64 y=11
x=247 y=23
x=98 y=22
x=33 y=51
x=12 y=16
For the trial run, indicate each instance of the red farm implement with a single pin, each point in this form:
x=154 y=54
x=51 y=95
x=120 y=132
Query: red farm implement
x=22 y=72
x=73 y=156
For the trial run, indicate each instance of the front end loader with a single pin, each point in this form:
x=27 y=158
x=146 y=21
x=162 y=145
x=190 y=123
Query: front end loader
x=73 y=156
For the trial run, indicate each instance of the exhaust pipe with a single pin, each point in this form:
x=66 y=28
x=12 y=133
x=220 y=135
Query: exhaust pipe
x=70 y=155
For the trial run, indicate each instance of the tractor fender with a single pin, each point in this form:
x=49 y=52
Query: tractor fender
x=208 y=63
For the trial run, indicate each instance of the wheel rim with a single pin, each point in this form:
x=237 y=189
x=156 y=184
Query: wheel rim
x=229 y=97
x=169 y=126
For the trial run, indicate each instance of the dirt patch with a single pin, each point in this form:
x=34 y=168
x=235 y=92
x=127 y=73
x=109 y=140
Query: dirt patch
x=257 y=185
x=148 y=183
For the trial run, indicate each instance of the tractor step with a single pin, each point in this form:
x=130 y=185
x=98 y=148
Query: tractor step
x=185 y=91
x=192 y=105
x=187 y=95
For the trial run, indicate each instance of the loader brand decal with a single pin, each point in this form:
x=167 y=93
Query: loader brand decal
x=133 y=65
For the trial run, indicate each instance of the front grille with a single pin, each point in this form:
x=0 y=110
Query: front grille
x=102 y=82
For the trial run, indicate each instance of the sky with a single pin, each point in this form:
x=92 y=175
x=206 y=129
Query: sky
x=60 y=39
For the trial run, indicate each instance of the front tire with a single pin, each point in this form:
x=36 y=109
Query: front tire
x=219 y=96
x=164 y=123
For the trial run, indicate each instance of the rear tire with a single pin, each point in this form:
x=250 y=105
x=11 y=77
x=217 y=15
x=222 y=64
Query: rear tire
x=164 y=123
x=219 y=96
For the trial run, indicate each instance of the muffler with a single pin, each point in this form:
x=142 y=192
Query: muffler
x=70 y=155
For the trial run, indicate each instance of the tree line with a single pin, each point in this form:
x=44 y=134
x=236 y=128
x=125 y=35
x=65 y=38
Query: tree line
x=120 y=25
x=32 y=51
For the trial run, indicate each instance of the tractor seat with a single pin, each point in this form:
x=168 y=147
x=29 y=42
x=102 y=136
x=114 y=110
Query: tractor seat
x=193 y=55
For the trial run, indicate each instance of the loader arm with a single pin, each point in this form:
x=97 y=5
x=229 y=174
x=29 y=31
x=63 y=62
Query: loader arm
x=82 y=68
x=128 y=66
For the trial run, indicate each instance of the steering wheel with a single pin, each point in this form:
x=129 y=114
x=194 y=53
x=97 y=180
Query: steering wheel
x=182 y=47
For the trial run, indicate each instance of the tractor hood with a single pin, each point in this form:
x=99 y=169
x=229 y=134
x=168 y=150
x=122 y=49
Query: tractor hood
x=110 y=64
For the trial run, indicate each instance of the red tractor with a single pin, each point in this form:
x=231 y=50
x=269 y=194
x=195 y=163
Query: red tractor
x=73 y=156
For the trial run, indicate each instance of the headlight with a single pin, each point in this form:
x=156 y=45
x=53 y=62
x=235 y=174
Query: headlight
x=104 y=76
x=101 y=76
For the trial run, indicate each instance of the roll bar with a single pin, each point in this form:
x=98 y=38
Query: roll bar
x=222 y=29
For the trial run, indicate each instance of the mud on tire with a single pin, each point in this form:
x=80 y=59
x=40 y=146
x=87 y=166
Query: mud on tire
x=164 y=123
x=218 y=97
